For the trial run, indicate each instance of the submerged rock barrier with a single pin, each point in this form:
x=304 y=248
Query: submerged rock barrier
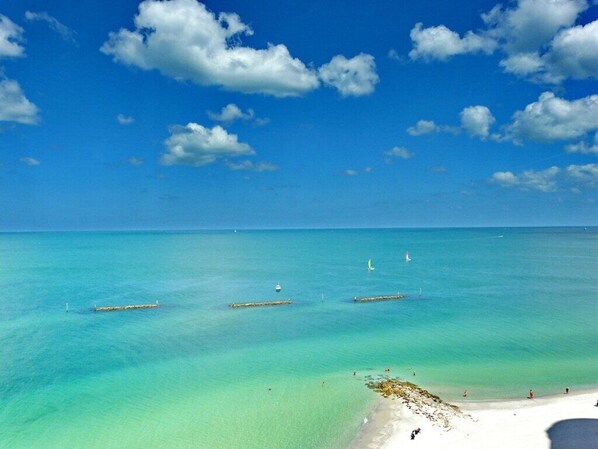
x=380 y=298
x=237 y=305
x=130 y=307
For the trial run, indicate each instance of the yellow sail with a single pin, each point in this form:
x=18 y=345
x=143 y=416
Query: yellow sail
x=370 y=265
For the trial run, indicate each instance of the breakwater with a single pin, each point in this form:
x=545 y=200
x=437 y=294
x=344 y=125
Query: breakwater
x=380 y=298
x=237 y=305
x=129 y=307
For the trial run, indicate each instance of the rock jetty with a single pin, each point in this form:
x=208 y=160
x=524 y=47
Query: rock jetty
x=418 y=400
x=237 y=305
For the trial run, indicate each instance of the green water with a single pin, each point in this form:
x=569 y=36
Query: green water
x=500 y=311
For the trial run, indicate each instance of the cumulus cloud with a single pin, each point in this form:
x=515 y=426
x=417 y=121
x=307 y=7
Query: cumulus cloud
x=124 y=120
x=230 y=113
x=29 y=161
x=398 y=152
x=352 y=77
x=252 y=166
x=196 y=145
x=135 y=161
x=574 y=53
x=423 y=127
x=538 y=39
x=184 y=40
x=65 y=32
x=14 y=106
x=552 y=118
x=350 y=172
x=587 y=174
x=428 y=126
x=583 y=148
x=572 y=177
x=541 y=180
x=477 y=120
x=11 y=37
x=439 y=42
x=530 y=24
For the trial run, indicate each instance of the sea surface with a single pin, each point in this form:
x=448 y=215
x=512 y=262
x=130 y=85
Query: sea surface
x=494 y=311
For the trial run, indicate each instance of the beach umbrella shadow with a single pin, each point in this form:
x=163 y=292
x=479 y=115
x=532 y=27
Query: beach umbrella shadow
x=574 y=434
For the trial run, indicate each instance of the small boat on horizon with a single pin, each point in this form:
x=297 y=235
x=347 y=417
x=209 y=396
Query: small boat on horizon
x=370 y=267
x=278 y=288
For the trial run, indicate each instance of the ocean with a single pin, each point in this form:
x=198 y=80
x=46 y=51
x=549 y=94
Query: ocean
x=496 y=311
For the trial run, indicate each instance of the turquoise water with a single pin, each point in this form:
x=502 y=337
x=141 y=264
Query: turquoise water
x=501 y=311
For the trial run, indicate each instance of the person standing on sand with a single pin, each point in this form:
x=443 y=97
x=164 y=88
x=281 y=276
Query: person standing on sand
x=531 y=394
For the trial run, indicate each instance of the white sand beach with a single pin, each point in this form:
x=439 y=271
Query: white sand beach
x=566 y=421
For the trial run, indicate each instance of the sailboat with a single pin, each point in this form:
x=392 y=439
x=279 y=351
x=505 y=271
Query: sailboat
x=278 y=288
x=407 y=258
x=370 y=267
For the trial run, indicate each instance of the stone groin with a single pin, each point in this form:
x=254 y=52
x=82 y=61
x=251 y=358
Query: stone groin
x=380 y=298
x=237 y=305
x=130 y=307
x=420 y=401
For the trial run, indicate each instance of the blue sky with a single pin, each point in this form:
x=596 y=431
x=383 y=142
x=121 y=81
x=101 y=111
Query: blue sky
x=232 y=114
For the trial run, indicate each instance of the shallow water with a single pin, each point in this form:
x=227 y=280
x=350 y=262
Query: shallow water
x=500 y=311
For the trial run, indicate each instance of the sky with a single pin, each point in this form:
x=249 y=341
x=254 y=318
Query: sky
x=230 y=114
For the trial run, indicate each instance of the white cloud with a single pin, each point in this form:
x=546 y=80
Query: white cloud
x=538 y=38
x=14 y=106
x=352 y=77
x=552 y=118
x=350 y=172
x=477 y=120
x=400 y=152
x=439 y=42
x=574 y=53
x=11 y=36
x=29 y=161
x=583 y=148
x=392 y=54
x=124 y=120
x=572 y=178
x=505 y=178
x=135 y=161
x=531 y=23
x=541 y=180
x=261 y=121
x=423 y=127
x=252 y=166
x=184 y=40
x=523 y=64
x=196 y=145
x=64 y=31
x=230 y=113
x=587 y=174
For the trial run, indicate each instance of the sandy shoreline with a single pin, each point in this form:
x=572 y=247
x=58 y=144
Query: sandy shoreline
x=566 y=421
